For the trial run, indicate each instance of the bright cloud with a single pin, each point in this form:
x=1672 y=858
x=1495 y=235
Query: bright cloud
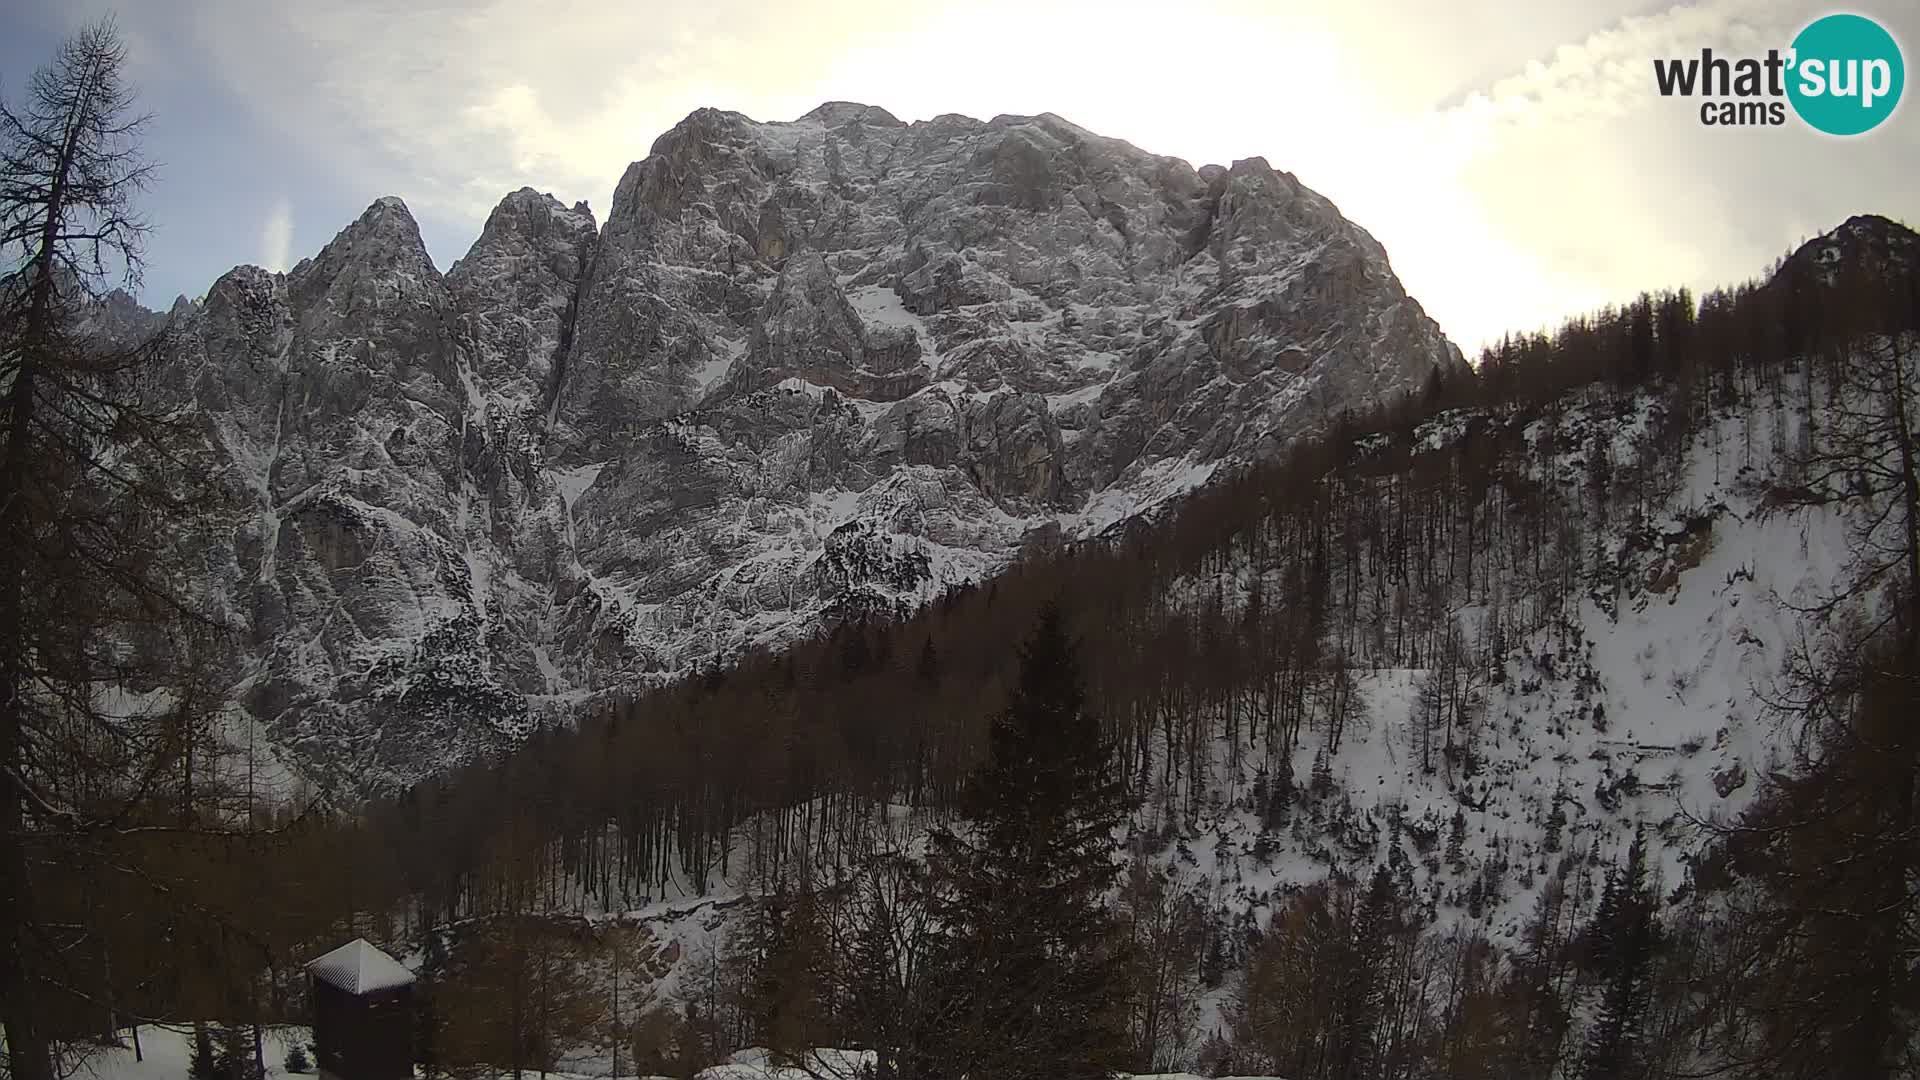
x=1512 y=156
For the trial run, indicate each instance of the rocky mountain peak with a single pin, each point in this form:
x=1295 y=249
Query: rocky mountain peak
x=385 y=234
x=374 y=269
x=1867 y=242
x=514 y=292
x=841 y=113
x=804 y=371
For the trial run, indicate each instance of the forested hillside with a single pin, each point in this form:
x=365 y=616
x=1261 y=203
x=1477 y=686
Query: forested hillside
x=1547 y=723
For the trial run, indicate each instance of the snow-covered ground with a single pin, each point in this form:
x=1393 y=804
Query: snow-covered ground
x=166 y=1049
x=1644 y=705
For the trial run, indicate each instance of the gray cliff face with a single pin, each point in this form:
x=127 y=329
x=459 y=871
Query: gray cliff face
x=514 y=295
x=805 y=371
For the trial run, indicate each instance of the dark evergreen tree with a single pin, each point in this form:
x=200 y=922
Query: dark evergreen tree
x=1213 y=957
x=1623 y=948
x=426 y=1013
x=1280 y=793
x=782 y=954
x=1354 y=1038
x=202 y=1064
x=1273 y=798
x=1032 y=964
x=1541 y=1015
x=1322 y=781
x=1557 y=818
x=927 y=670
x=233 y=1058
x=1457 y=840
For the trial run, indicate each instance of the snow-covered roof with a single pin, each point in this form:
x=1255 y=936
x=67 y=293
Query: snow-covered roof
x=359 y=968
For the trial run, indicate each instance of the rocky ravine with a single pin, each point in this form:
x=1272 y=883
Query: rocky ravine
x=804 y=370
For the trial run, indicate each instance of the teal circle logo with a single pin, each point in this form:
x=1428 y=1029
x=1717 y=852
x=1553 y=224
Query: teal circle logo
x=1846 y=74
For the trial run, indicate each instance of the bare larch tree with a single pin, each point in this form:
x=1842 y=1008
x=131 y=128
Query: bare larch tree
x=93 y=623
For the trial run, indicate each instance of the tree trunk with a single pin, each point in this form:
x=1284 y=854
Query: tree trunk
x=28 y=1056
x=1909 y=494
x=259 y=1048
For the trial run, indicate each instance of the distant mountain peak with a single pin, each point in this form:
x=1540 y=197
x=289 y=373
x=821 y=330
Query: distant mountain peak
x=1869 y=242
x=385 y=234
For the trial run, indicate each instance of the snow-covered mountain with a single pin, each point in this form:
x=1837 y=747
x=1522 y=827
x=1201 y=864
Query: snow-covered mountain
x=804 y=369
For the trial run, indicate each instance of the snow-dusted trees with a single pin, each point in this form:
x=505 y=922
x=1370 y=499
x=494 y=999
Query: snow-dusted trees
x=1426 y=716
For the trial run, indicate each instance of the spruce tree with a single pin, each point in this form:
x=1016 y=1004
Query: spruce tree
x=1280 y=795
x=783 y=990
x=427 y=1021
x=1362 y=982
x=1557 y=817
x=1322 y=782
x=233 y=1057
x=1541 y=1011
x=1032 y=963
x=1457 y=841
x=201 y=1062
x=1623 y=937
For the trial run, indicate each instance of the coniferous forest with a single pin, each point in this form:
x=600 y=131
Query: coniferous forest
x=963 y=839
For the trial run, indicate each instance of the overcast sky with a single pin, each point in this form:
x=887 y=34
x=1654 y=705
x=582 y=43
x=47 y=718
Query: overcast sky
x=1512 y=155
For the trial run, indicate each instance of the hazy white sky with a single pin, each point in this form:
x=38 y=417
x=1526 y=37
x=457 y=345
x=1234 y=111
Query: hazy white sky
x=1512 y=155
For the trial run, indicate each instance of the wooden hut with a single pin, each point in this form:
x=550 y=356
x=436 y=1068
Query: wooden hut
x=362 y=1014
